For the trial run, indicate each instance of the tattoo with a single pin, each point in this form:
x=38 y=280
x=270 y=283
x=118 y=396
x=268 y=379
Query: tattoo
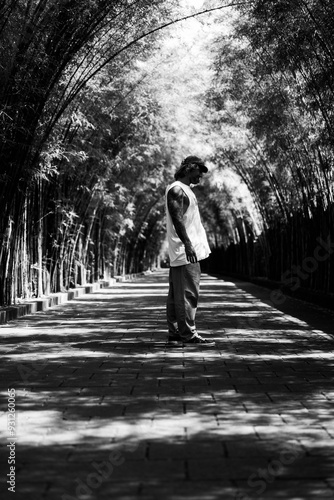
x=178 y=203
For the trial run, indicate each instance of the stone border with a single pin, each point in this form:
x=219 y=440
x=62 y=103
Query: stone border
x=17 y=311
x=315 y=297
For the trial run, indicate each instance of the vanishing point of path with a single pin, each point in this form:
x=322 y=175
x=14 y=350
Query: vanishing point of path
x=105 y=410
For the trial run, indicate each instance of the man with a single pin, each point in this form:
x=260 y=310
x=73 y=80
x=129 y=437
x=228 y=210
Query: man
x=188 y=245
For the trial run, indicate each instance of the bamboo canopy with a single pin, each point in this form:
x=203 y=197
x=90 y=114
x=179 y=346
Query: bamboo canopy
x=100 y=101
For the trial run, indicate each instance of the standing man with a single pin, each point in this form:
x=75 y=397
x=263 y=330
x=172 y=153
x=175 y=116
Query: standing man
x=188 y=245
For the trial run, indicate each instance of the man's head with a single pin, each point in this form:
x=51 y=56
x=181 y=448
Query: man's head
x=193 y=167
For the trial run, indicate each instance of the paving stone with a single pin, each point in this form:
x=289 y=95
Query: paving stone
x=283 y=489
x=190 y=490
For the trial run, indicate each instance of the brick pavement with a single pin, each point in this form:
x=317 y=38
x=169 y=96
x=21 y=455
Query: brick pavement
x=105 y=410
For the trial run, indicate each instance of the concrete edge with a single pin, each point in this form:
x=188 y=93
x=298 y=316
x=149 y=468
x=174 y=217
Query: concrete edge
x=315 y=297
x=17 y=311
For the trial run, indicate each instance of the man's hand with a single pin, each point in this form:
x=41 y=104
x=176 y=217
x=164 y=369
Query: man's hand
x=190 y=253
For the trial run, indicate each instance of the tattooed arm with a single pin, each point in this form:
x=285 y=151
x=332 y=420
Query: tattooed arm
x=178 y=202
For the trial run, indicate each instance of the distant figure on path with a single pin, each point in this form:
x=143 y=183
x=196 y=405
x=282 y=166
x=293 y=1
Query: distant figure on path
x=187 y=245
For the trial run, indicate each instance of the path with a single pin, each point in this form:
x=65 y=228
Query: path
x=104 y=410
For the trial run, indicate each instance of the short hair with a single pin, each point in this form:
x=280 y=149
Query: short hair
x=185 y=170
x=188 y=165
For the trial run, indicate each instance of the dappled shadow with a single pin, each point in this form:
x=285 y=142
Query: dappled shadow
x=95 y=381
x=315 y=316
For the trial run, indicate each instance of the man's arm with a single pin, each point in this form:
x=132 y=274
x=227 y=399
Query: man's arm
x=178 y=203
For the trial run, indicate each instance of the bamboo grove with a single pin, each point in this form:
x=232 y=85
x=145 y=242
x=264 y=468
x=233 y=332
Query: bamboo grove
x=60 y=223
x=278 y=93
x=87 y=146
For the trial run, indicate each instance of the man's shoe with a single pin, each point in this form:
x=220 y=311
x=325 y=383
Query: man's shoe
x=198 y=340
x=174 y=338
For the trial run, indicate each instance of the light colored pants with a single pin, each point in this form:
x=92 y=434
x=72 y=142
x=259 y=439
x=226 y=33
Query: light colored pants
x=182 y=299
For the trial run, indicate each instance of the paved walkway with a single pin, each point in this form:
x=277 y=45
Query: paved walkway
x=104 y=410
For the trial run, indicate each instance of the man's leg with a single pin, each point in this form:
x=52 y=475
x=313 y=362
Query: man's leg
x=192 y=276
x=185 y=281
x=171 y=315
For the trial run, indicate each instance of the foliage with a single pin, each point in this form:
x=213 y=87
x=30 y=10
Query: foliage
x=274 y=85
x=49 y=51
x=98 y=104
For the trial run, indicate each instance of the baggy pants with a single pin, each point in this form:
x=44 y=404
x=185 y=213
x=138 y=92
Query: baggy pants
x=182 y=299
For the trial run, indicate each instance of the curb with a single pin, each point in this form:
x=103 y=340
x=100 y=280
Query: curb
x=17 y=311
x=315 y=297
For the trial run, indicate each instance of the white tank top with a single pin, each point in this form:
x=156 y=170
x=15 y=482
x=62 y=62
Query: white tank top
x=194 y=228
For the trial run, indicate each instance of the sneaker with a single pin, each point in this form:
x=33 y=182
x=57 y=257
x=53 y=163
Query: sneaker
x=198 y=340
x=174 y=338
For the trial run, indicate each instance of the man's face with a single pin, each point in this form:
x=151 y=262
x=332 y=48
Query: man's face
x=195 y=175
